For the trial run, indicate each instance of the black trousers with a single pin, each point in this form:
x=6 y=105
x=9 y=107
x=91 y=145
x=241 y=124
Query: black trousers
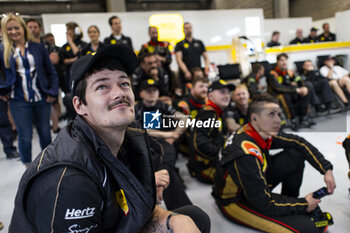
x=286 y=167
x=6 y=134
x=294 y=105
x=199 y=217
x=323 y=91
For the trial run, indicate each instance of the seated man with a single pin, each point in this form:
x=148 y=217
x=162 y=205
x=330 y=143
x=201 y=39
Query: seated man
x=97 y=175
x=336 y=73
x=320 y=84
x=327 y=35
x=150 y=69
x=274 y=39
x=162 y=140
x=236 y=113
x=299 y=39
x=209 y=133
x=247 y=174
x=312 y=38
x=252 y=80
x=290 y=91
x=190 y=105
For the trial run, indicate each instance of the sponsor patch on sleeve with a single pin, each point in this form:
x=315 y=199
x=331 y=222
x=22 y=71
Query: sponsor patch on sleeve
x=251 y=148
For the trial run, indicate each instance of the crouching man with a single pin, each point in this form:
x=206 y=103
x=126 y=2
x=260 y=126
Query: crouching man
x=97 y=175
x=247 y=174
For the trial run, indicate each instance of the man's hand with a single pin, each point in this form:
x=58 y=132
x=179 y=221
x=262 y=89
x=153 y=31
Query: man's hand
x=54 y=58
x=302 y=91
x=162 y=178
x=183 y=224
x=5 y=98
x=330 y=182
x=160 y=190
x=312 y=202
x=50 y=99
x=188 y=76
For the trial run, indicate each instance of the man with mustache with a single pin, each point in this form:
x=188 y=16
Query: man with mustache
x=97 y=174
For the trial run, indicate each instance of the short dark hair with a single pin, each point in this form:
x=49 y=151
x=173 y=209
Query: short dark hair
x=323 y=25
x=111 y=19
x=256 y=67
x=33 y=20
x=199 y=79
x=48 y=35
x=279 y=56
x=109 y=64
x=144 y=56
x=275 y=33
x=256 y=106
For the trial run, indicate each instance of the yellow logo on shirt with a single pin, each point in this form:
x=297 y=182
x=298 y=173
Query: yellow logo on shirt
x=88 y=52
x=113 y=41
x=121 y=200
x=186 y=45
x=67 y=48
x=150 y=49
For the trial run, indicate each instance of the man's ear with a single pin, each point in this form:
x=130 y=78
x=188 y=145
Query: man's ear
x=79 y=106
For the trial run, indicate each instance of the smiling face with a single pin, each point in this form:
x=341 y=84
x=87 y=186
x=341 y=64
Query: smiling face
x=93 y=34
x=200 y=90
x=268 y=121
x=15 y=31
x=241 y=96
x=109 y=100
x=220 y=97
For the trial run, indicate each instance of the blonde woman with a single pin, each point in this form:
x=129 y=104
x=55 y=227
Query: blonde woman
x=31 y=83
x=95 y=43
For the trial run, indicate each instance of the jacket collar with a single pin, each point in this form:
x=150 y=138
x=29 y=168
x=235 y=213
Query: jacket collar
x=263 y=144
x=280 y=72
x=216 y=108
x=195 y=102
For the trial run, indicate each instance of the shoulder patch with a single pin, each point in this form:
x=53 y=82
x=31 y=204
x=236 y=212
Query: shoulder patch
x=208 y=108
x=252 y=149
x=184 y=105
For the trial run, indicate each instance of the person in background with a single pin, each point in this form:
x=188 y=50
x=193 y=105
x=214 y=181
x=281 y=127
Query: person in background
x=290 y=91
x=274 y=39
x=327 y=35
x=149 y=69
x=320 y=85
x=95 y=43
x=30 y=101
x=312 y=38
x=236 y=113
x=188 y=53
x=116 y=36
x=35 y=28
x=71 y=51
x=339 y=75
x=207 y=141
x=57 y=61
x=299 y=39
x=253 y=79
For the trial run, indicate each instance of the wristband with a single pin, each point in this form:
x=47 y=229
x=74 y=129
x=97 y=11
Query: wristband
x=168 y=220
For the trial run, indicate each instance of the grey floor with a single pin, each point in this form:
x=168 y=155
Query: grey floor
x=326 y=136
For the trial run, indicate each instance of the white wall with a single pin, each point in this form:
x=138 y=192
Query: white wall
x=342 y=23
x=286 y=27
x=331 y=21
x=207 y=24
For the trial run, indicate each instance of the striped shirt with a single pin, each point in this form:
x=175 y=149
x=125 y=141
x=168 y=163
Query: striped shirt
x=26 y=87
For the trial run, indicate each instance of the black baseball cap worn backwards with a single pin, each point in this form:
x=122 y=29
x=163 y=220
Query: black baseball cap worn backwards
x=149 y=83
x=124 y=57
x=220 y=84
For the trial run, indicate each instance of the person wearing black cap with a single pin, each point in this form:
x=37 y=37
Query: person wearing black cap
x=209 y=133
x=97 y=175
x=312 y=38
